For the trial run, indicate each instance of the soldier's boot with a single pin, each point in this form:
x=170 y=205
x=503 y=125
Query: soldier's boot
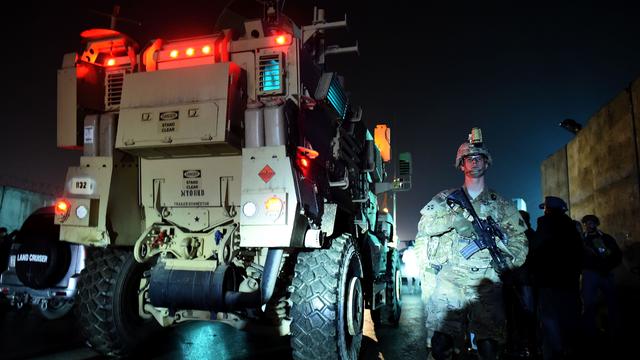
x=441 y=346
x=487 y=349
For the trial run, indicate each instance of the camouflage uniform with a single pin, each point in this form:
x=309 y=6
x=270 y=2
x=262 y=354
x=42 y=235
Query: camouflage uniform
x=465 y=295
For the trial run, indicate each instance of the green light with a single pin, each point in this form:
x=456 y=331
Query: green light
x=271 y=76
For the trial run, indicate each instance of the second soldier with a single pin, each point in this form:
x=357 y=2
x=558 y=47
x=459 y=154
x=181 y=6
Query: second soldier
x=465 y=295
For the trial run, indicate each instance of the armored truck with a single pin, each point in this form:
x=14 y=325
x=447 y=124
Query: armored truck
x=226 y=177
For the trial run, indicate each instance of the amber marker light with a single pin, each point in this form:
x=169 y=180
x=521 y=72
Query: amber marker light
x=273 y=204
x=206 y=49
x=190 y=52
x=173 y=53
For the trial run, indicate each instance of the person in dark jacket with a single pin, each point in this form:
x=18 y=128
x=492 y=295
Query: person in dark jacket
x=556 y=264
x=601 y=256
x=520 y=304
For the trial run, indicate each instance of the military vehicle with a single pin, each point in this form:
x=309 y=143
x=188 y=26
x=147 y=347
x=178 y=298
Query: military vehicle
x=225 y=177
x=42 y=271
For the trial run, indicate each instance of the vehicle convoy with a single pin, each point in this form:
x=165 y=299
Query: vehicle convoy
x=41 y=270
x=226 y=177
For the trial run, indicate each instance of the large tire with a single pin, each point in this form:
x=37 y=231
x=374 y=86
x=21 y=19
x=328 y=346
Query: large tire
x=108 y=302
x=328 y=303
x=389 y=314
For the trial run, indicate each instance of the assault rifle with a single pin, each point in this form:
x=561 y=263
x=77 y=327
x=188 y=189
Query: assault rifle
x=486 y=232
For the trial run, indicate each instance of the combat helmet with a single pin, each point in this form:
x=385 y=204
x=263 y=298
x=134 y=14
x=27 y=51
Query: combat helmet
x=473 y=146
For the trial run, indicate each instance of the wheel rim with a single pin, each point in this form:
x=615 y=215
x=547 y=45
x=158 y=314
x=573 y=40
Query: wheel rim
x=355 y=302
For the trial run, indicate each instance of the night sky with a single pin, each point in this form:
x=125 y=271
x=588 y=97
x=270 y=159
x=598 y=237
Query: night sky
x=514 y=70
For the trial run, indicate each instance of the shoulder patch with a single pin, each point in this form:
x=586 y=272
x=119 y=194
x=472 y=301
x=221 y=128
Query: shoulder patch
x=437 y=203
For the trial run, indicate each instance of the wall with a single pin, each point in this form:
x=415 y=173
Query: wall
x=555 y=181
x=17 y=204
x=597 y=171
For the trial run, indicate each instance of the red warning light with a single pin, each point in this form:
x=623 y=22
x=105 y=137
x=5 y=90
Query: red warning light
x=281 y=40
x=62 y=207
x=173 y=53
x=206 y=49
x=111 y=62
x=304 y=157
x=304 y=164
x=190 y=52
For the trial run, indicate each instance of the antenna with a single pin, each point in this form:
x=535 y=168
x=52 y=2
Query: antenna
x=271 y=12
x=114 y=17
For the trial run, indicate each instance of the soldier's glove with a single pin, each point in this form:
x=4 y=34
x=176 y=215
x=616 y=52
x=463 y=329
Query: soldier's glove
x=463 y=227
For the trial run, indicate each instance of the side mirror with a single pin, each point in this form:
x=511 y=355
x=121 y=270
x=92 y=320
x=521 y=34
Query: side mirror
x=403 y=181
x=405 y=170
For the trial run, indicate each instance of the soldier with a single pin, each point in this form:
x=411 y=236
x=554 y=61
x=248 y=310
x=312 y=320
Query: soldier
x=466 y=294
x=602 y=256
x=556 y=261
x=520 y=304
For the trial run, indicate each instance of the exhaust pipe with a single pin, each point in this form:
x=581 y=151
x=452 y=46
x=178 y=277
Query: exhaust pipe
x=234 y=300
x=211 y=290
